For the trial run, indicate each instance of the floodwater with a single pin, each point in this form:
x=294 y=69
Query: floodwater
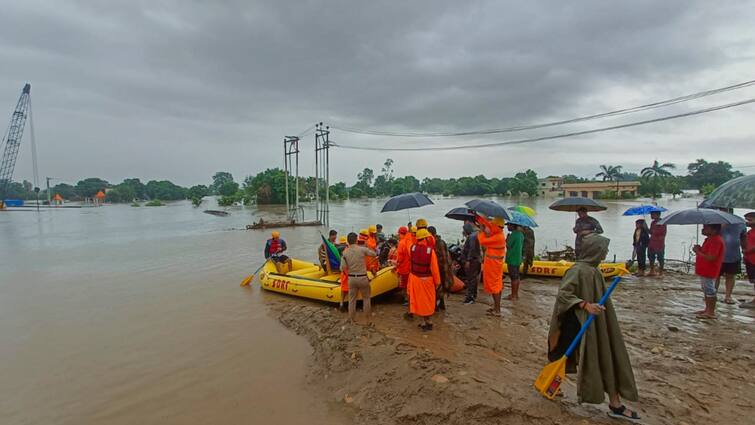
x=126 y=315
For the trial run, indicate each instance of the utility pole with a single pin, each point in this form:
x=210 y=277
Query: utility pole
x=291 y=149
x=322 y=171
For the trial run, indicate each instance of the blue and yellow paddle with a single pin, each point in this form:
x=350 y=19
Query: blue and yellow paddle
x=553 y=375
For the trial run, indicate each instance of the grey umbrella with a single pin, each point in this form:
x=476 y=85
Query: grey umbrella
x=575 y=203
x=461 y=213
x=736 y=193
x=701 y=216
x=406 y=201
x=489 y=208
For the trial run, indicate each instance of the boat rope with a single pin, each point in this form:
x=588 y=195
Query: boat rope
x=543 y=138
x=645 y=107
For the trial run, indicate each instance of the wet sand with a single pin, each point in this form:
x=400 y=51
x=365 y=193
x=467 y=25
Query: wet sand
x=477 y=369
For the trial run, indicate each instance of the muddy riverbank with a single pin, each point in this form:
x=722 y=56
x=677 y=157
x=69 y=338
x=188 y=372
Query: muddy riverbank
x=475 y=368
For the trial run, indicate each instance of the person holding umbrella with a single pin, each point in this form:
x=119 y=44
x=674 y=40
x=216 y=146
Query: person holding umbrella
x=657 y=244
x=514 y=246
x=494 y=242
x=583 y=218
x=640 y=240
x=708 y=260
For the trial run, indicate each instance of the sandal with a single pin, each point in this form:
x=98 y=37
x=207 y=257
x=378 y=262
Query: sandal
x=622 y=412
x=426 y=327
x=706 y=316
x=493 y=313
x=729 y=301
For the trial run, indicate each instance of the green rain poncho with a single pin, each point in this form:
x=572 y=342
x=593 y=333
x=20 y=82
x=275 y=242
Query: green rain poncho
x=602 y=360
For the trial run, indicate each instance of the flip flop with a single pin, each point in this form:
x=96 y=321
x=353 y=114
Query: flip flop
x=706 y=317
x=729 y=301
x=493 y=313
x=623 y=413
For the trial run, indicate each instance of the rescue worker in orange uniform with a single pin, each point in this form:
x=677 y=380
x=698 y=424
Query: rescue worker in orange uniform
x=342 y=245
x=424 y=278
x=422 y=224
x=373 y=263
x=493 y=240
x=403 y=262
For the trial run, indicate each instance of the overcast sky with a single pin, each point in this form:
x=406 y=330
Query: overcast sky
x=178 y=89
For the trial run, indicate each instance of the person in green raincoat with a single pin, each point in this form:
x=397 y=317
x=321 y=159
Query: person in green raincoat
x=601 y=362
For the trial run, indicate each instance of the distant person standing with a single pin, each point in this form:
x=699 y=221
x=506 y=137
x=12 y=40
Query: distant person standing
x=735 y=241
x=445 y=268
x=355 y=261
x=528 y=250
x=471 y=261
x=657 y=244
x=640 y=240
x=708 y=260
x=749 y=255
x=583 y=218
x=514 y=245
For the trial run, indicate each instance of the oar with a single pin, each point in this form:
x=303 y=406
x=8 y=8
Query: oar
x=249 y=278
x=552 y=375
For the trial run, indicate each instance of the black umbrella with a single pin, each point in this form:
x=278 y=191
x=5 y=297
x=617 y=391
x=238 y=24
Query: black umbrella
x=701 y=216
x=461 y=213
x=575 y=203
x=406 y=201
x=489 y=208
x=736 y=193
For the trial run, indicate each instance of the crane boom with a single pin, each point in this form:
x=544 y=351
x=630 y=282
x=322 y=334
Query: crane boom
x=12 y=141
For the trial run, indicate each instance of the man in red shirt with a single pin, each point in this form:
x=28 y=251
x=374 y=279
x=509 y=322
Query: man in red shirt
x=657 y=245
x=709 y=258
x=749 y=255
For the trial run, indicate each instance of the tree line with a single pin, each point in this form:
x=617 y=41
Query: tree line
x=268 y=187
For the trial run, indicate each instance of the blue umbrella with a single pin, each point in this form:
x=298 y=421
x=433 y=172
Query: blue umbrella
x=521 y=219
x=644 y=210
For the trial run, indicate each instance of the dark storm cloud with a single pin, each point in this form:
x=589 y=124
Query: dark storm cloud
x=181 y=89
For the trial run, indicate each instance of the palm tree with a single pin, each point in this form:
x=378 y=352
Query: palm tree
x=611 y=173
x=657 y=170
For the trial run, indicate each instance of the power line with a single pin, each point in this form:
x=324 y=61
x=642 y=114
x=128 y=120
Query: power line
x=648 y=106
x=557 y=136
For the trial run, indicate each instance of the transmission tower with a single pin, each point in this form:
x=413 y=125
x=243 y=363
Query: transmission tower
x=291 y=154
x=322 y=173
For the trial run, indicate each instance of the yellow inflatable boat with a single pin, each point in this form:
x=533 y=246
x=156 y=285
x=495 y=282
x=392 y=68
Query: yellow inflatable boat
x=308 y=280
x=559 y=268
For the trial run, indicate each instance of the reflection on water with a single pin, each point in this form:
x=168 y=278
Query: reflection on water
x=134 y=315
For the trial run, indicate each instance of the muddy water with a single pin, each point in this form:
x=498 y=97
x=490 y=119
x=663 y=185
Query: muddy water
x=134 y=315
x=104 y=321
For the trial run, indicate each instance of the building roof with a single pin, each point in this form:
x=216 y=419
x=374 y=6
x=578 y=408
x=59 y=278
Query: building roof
x=599 y=185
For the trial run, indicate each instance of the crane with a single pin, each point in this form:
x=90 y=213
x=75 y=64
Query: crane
x=12 y=141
